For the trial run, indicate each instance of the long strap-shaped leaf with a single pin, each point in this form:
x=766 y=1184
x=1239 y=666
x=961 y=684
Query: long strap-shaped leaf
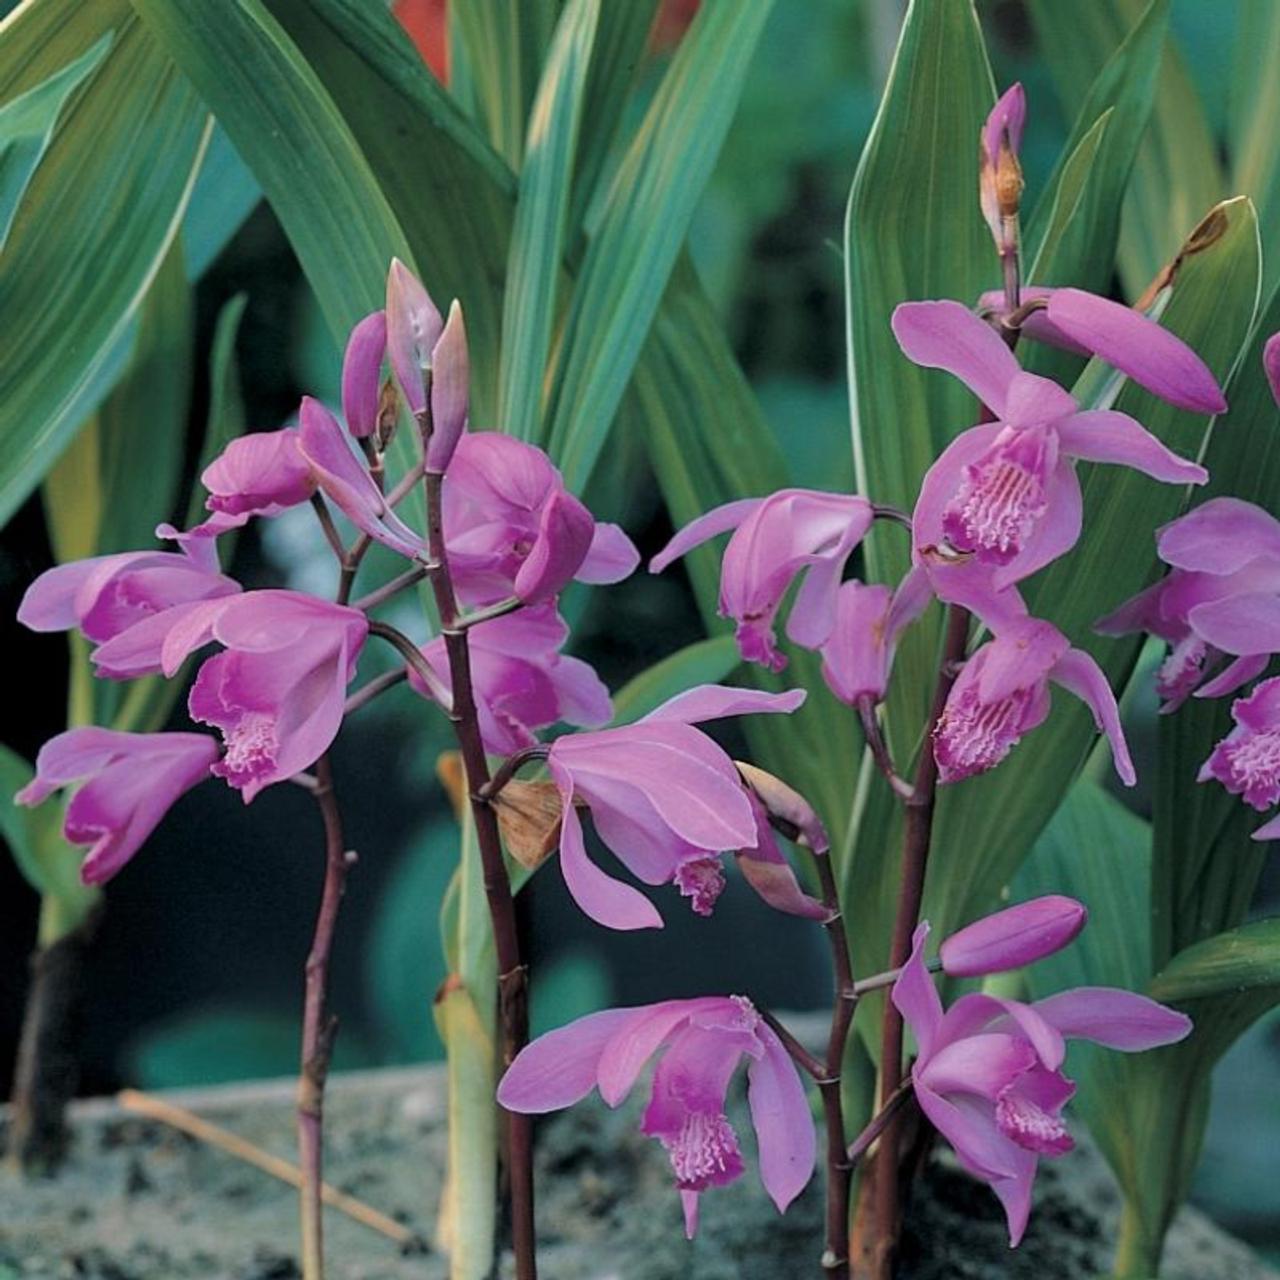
x=542 y=214
x=93 y=226
x=643 y=225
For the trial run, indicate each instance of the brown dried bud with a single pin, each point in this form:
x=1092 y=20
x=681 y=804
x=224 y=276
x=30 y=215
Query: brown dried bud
x=529 y=818
x=1009 y=182
x=388 y=412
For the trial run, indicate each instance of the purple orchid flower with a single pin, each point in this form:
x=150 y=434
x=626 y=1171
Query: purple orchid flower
x=109 y=598
x=667 y=801
x=999 y=176
x=512 y=529
x=521 y=680
x=259 y=474
x=1247 y=760
x=1088 y=325
x=277 y=693
x=702 y=1042
x=1006 y=493
x=1221 y=597
x=775 y=540
x=1003 y=693
x=1013 y=938
x=857 y=656
x=362 y=374
x=988 y=1071
x=133 y=779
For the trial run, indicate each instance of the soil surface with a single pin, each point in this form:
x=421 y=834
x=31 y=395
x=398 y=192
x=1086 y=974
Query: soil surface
x=140 y=1201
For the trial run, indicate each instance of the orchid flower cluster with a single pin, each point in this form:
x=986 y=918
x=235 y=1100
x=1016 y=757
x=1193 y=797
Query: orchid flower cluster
x=504 y=537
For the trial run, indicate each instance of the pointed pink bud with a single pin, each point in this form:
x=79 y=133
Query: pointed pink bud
x=362 y=374
x=1000 y=175
x=413 y=328
x=1271 y=363
x=450 y=375
x=1014 y=937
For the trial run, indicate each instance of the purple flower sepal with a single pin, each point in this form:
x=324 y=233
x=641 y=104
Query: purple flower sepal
x=701 y=1042
x=521 y=680
x=668 y=801
x=512 y=528
x=1005 y=494
x=776 y=540
x=129 y=782
x=988 y=1071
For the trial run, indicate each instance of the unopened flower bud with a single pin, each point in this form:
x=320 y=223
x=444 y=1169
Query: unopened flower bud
x=786 y=807
x=361 y=367
x=1014 y=937
x=1000 y=174
x=450 y=374
x=413 y=329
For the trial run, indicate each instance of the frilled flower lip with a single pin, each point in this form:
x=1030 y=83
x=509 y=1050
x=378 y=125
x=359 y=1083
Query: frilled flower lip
x=701 y=1042
x=1247 y=761
x=130 y=781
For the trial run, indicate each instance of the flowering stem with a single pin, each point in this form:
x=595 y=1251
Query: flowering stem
x=319 y=1026
x=331 y=534
x=877 y=981
x=859 y=1146
x=808 y=1062
x=413 y=656
x=378 y=685
x=512 y=765
x=487 y=614
x=393 y=588
x=513 y=1007
x=835 y=1257
x=915 y=857
x=880 y=750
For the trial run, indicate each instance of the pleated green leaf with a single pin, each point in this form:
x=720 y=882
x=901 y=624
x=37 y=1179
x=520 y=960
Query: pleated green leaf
x=504 y=46
x=1206 y=867
x=27 y=123
x=642 y=227
x=94 y=224
x=542 y=213
x=1177 y=175
x=914 y=230
x=1243 y=961
x=1254 y=104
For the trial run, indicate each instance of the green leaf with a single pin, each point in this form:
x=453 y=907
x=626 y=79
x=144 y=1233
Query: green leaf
x=225 y=194
x=94 y=226
x=704 y=662
x=642 y=227
x=226 y=418
x=1254 y=109
x=504 y=46
x=542 y=211
x=1243 y=961
x=26 y=127
x=1177 y=175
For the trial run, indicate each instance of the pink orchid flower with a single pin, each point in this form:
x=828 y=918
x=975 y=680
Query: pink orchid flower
x=1003 y=693
x=521 y=680
x=133 y=779
x=1006 y=493
x=109 y=598
x=277 y=692
x=857 y=656
x=988 y=1071
x=362 y=374
x=1013 y=938
x=1001 y=140
x=1221 y=597
x=667 y=801
x=259 y=474
x=512 y=529
x=702 y=1041
x=1247 y=760
x=1088 y=325
x=775 y=540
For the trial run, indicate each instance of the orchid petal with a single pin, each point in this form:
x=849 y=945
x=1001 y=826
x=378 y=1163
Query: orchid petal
x=1219 y=536
x=947 y=335
x=565 y=532
x=559 y=1068
x=1078 y=673
x=719 y=520
x=450 y=389
x=718 y=701
x=1243 y=624
x=1234 y=675
x=362 y=374
x=1106 y=435
x=786 y=1142
x=915 y=996
x=1118 y=1019
x=611 y=557
x=413 y=328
